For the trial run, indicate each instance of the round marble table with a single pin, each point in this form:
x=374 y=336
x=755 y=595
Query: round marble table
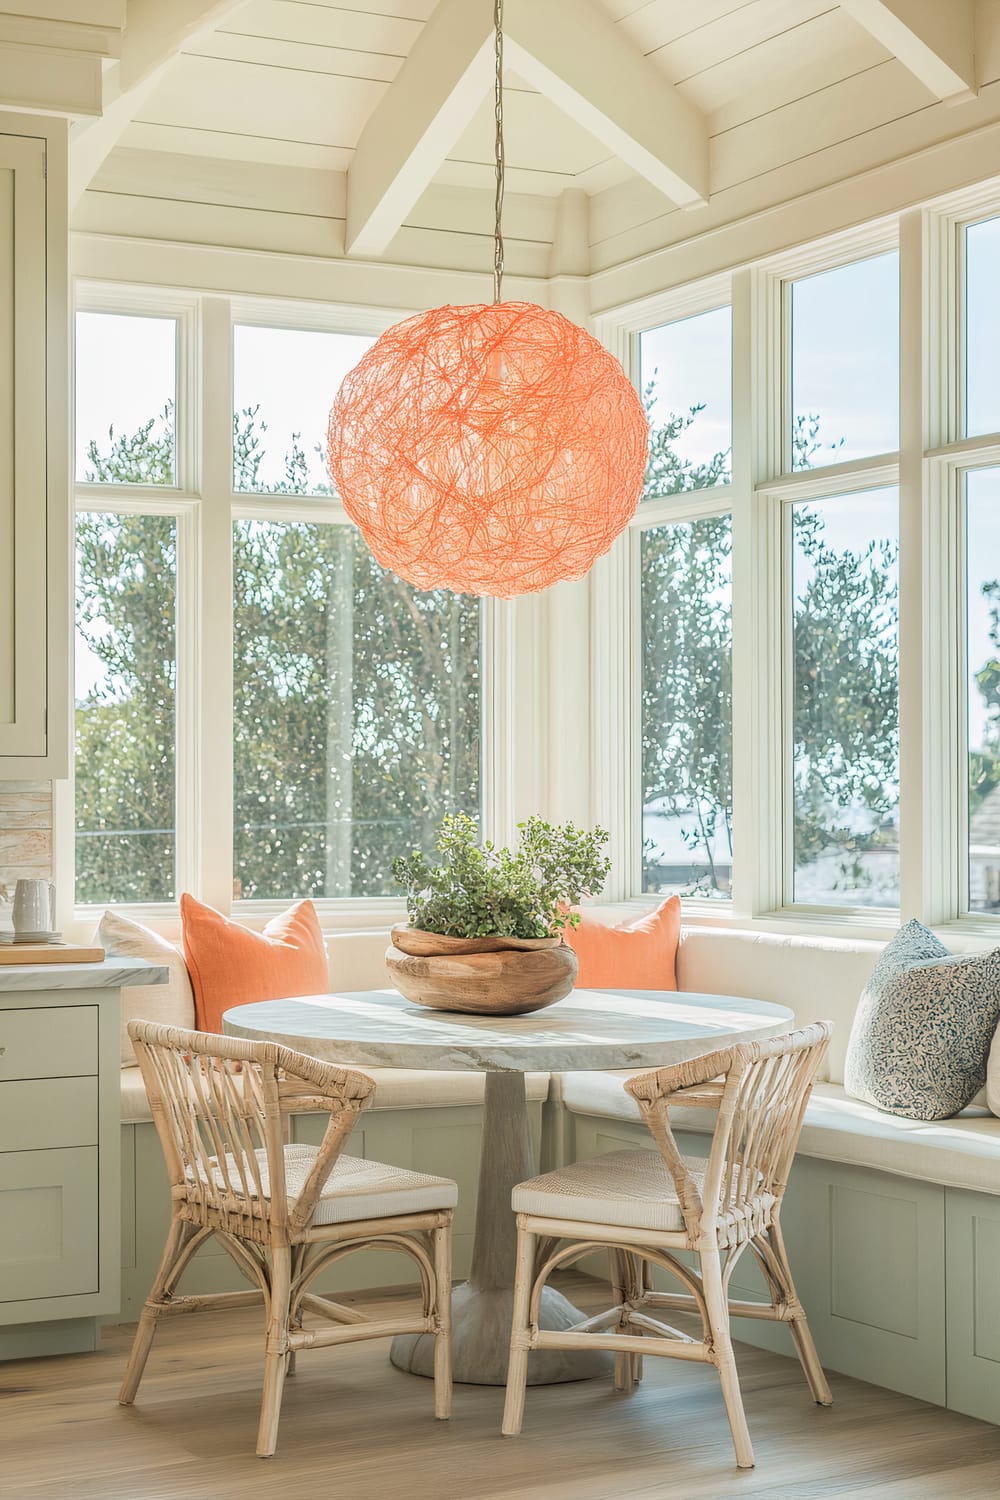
x=589 y=1030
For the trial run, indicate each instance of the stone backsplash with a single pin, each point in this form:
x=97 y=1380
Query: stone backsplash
x=25 y=837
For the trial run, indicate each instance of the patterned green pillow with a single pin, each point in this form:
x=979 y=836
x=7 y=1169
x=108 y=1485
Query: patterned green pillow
x=923 y=1027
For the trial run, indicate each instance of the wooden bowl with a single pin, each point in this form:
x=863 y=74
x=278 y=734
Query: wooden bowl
x=505 y=982
x=423 y=944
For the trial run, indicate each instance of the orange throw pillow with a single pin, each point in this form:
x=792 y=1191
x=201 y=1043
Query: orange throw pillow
x=230 y=965
x=639 y=955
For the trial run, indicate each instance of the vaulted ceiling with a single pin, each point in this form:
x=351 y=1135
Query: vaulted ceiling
x=365 y=129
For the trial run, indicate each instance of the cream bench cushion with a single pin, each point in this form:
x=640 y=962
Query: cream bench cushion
x=963 y=1152
x=395 y=1088
x=820 y=979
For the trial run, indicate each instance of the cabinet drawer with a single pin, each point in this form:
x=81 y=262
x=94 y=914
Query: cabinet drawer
x=48 y=1224
x=56 y=1042
x=39 y=1113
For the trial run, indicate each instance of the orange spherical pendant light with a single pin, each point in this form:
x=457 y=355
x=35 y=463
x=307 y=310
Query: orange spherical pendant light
x=488 y=449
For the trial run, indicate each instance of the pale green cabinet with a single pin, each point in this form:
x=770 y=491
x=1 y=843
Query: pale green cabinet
x=60 y=1214
x=36 y=584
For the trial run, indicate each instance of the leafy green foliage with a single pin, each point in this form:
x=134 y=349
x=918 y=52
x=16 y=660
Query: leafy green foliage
x=356 y=698
x=478 y=890
x=687 y=740
x=846 y=712
x=125 y=726
x=984 y=763
x=845 y=676
x=142 y=457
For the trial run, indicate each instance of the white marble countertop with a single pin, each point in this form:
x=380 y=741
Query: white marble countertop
x=109 y=974
x=590 y=1029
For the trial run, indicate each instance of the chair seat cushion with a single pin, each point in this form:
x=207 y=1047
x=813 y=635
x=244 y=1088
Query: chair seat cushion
x=395 y=1088
x=962 y=1152
x=355 y=1189
x=632 y=1189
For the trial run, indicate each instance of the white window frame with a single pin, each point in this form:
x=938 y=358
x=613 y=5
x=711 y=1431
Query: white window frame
x=929 y=469
x=206 y=505
x=947 y=457
x=616 y=691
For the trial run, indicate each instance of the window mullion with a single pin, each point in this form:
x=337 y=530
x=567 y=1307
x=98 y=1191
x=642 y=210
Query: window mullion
x=758 y=596
x=212 y=663
x=499 y=697
x=615 y=721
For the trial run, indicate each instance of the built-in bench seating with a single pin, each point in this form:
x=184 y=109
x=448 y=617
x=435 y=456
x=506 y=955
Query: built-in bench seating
x=893 y=1225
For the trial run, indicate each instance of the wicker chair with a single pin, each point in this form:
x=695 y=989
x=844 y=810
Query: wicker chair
x=283 y=1212
x=646 y=1206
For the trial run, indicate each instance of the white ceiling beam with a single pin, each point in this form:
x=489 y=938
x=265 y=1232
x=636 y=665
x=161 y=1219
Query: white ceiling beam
x=933 y=39
x=589 y=67
x=419 y=118
x=40 y=81
x=153 y=36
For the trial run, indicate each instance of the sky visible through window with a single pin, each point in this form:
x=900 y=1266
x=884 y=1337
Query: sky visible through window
x=292 y=375
x=982 y=346
x=689 y=363
x=125 y=377
x=845 y=360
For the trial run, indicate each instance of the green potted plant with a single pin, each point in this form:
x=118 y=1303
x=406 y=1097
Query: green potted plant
x=486 y=925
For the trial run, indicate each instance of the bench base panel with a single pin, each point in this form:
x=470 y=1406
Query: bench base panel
x=898 y=1277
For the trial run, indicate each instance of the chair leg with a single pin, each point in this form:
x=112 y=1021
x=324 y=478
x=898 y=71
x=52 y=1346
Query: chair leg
x=177 y=1237
x=804 y=1346
x=520 y=1334
x=624 y=1379
x=718 y=1323
x=442 y=1310
x=276 y=1349
x=639 y=1273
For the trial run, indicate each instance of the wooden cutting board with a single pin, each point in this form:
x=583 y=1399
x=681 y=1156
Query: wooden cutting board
x=48 y=953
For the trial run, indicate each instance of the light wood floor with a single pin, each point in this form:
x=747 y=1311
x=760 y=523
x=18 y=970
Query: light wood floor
x=352 y=1425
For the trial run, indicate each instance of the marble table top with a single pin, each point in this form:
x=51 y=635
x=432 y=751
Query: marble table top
x=590 y=1029
x=109 y=974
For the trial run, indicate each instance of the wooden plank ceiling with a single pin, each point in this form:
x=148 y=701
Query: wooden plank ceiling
x=262 y=115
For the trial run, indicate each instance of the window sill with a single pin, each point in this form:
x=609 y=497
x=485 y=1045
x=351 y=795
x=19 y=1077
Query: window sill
x=877 y=925
x=356 y=914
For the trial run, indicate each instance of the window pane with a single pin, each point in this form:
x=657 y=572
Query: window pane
x=126 y=396
x=356 y=713
x=126 y=568
x=982 y=327
x=845 y=717
x=284 y=383
x=687 y=731
x=686 y=373
x=845 y=363
x=983 y=593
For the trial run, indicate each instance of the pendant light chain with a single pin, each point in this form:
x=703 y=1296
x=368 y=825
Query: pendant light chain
x=499 y=157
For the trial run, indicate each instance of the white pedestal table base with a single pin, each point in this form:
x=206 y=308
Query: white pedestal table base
x=482 y=1306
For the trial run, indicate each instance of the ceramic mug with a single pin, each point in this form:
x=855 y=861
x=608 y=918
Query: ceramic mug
x=34 y=906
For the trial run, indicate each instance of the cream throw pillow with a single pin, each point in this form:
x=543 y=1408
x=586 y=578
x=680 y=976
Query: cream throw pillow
x=170 y=1004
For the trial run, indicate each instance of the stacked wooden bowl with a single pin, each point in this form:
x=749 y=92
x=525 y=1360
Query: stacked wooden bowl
x=488 y=976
